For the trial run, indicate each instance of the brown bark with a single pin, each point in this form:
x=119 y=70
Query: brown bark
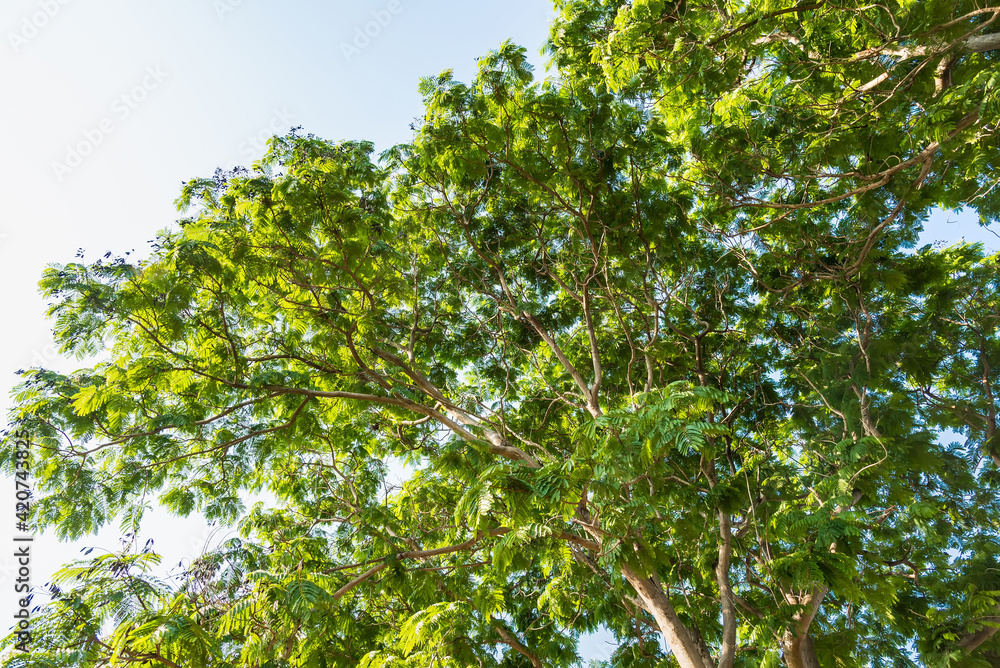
x=727 y=652
x=678 y=637
x=982 y=43
x=797 y=646
x=508 y=639
x=799 y=652
x=974 y=640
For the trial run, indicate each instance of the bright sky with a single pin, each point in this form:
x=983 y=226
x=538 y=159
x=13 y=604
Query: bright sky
x=110 y=105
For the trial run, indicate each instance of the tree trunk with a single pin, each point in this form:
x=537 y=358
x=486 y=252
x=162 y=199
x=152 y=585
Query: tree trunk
x=799 y=652
x=974 y=640
x=727 y=652
x=679 y=639
x=797 y=646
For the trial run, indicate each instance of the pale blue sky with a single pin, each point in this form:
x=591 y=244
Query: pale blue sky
x=156 y=92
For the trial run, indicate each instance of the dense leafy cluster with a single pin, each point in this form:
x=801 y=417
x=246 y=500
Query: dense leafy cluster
x=653 y=339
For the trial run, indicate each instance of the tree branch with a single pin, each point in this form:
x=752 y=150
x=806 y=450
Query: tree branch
x=508 y=638
x=973 y=640
x=727 y=652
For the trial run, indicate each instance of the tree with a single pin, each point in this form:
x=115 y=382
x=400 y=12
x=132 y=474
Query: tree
x=659 y=358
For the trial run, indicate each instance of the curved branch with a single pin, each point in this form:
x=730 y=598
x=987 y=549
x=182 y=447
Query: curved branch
x=973 y=640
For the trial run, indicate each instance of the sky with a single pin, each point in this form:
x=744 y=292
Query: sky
x=110 y=105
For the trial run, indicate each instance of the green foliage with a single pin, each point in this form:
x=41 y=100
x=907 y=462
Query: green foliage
x=652 y=338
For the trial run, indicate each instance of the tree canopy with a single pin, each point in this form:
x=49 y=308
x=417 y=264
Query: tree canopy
x=653 y=337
